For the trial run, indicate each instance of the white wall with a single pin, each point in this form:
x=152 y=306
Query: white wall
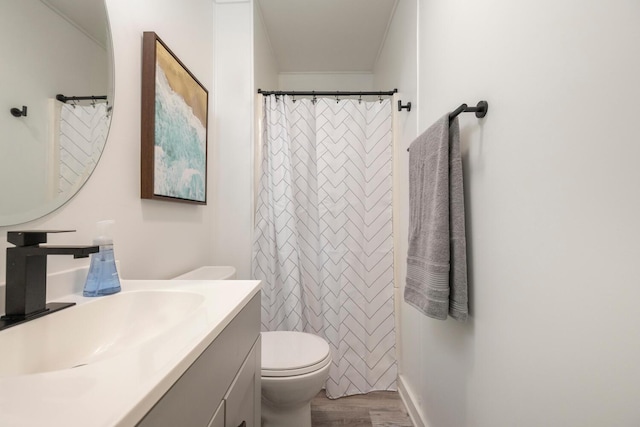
x=346 y=81
x=234 y=102
x=552 y=214
x=154 y=239
x=265 y=67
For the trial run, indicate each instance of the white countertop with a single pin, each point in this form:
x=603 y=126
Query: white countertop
x=121 y=389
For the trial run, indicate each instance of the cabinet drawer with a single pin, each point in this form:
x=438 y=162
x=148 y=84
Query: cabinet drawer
x=241 y=405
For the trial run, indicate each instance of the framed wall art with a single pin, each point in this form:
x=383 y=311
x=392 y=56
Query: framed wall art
x=174 y=127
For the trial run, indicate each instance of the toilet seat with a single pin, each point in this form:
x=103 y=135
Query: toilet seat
x=288 y=353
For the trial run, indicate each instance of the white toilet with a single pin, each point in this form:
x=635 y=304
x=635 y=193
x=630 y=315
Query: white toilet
x=295 y=366
x=210 y=272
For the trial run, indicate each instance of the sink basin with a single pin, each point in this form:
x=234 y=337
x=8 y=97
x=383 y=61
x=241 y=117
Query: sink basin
x=107 y=361
x=90 y=332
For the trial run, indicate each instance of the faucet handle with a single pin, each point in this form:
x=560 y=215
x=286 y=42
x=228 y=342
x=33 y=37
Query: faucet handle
x=31 y=237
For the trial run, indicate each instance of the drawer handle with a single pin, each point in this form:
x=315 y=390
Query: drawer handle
x=243 y=424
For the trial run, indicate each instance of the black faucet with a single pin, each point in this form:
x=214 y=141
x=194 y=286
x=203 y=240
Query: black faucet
x=26 y=285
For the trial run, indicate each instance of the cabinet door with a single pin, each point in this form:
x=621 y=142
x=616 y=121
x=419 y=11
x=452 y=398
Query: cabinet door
x=218 y=417
x=240 y=401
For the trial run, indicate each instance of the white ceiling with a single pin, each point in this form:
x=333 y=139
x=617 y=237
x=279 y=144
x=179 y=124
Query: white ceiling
x=326 y=35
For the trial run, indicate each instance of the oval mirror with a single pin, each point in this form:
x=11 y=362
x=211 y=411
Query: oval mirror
x=55 y=104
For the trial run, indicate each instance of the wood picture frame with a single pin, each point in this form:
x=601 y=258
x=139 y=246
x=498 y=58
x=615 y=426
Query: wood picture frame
x=174 y=127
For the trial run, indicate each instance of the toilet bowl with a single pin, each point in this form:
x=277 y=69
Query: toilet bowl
x=295 y=366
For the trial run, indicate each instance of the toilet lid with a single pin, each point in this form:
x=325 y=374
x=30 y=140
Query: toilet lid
x=287 y=353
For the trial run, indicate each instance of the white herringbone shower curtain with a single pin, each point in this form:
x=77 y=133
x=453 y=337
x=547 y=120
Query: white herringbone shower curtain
x=323 y=244
x=83 y=133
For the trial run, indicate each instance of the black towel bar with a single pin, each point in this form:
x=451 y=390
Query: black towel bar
x=480 y=109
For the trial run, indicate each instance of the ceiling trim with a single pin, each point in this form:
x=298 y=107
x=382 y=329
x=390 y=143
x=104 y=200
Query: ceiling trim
x=326 y=72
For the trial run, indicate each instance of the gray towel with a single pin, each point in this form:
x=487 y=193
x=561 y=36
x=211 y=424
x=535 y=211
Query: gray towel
x=437 y=258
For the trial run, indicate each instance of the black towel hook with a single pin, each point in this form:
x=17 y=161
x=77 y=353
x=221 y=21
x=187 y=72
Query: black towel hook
x=402 y=107
x=16 y=112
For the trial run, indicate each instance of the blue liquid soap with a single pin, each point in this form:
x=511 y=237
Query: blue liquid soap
x=103 y=277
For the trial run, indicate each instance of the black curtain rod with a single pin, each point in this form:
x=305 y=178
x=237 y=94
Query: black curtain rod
x=64 y=99
x=323 y=93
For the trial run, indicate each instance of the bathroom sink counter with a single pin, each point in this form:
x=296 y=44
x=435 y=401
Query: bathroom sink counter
x=120 y=388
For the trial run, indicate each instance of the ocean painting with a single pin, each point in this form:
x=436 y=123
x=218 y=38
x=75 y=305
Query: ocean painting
x=180 y=125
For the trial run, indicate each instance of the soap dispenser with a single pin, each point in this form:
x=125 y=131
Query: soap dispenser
x=103 y=276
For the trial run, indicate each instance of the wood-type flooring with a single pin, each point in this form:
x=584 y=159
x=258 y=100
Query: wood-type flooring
x=375 y=409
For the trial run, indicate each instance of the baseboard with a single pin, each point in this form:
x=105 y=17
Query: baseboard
x=409 y=399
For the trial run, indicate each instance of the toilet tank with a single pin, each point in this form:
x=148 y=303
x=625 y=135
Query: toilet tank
x=210 y=272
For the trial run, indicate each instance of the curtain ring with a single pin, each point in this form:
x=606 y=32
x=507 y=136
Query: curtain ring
x=337 y=99
x=293 y=98
x=380 y=98
x=314 y=100
x=360 y=98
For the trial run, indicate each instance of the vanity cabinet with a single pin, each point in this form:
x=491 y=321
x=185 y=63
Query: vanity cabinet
x=218 y=417
x=222 y=387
